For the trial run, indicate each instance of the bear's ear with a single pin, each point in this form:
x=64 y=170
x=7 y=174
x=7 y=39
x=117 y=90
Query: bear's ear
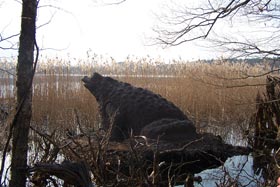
x=96 y=76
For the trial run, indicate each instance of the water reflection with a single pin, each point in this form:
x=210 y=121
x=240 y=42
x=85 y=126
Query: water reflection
x=237 y=170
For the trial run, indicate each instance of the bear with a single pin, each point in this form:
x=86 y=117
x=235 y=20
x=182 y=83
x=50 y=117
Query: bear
x=128 y=110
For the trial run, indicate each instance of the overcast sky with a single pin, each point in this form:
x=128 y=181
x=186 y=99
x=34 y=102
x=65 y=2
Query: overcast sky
x=79 y=27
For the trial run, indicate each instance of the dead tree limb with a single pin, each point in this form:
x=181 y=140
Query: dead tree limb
x=72 y=173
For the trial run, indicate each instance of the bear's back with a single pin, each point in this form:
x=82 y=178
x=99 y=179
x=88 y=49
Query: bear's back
x=138 y=107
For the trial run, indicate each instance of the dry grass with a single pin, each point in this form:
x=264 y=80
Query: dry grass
x=211 y=94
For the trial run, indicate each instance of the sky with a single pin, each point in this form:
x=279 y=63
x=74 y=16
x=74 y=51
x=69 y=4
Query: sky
x=71 y=28
x=78 y=28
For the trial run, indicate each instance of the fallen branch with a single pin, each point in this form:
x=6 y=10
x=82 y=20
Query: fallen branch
x=72 y=173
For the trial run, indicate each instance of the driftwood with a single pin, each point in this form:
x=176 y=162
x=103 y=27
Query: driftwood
x=76 y=173
x=207 y=152
x=160 y=160
x=136 y=161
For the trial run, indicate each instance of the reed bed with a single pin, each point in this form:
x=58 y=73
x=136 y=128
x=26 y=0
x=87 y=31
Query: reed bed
x=220 y=93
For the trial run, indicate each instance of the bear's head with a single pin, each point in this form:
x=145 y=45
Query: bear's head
x=98 y=85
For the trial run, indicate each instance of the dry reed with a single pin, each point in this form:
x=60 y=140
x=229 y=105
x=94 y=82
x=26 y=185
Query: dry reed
x=214 y=93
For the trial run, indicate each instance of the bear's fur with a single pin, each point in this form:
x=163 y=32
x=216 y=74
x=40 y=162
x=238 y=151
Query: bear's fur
x=130 y=109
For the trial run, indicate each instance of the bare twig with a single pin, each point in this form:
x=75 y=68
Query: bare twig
x=195 y=19
x=116 y=3
x=189 y=24
x=7 y=71
x=246 y=76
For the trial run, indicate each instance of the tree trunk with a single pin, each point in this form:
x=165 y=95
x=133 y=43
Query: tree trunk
x=24 y=94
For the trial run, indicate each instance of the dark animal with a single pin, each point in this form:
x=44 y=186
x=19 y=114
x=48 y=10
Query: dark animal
x=131 y=109
x=170 y=130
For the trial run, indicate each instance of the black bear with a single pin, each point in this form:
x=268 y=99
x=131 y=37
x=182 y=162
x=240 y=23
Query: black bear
x=136 y=110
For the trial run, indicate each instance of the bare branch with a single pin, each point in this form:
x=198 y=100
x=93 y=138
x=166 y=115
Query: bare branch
x=7 y=40
x=248 y=48
x=246 y=76
x=109 y=3
x=7 y=71
x=194 y=19
x=186 y=24
x=116 y=3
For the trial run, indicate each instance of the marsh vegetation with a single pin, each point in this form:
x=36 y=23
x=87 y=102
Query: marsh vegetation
x=214 y=94
x=219 y=96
